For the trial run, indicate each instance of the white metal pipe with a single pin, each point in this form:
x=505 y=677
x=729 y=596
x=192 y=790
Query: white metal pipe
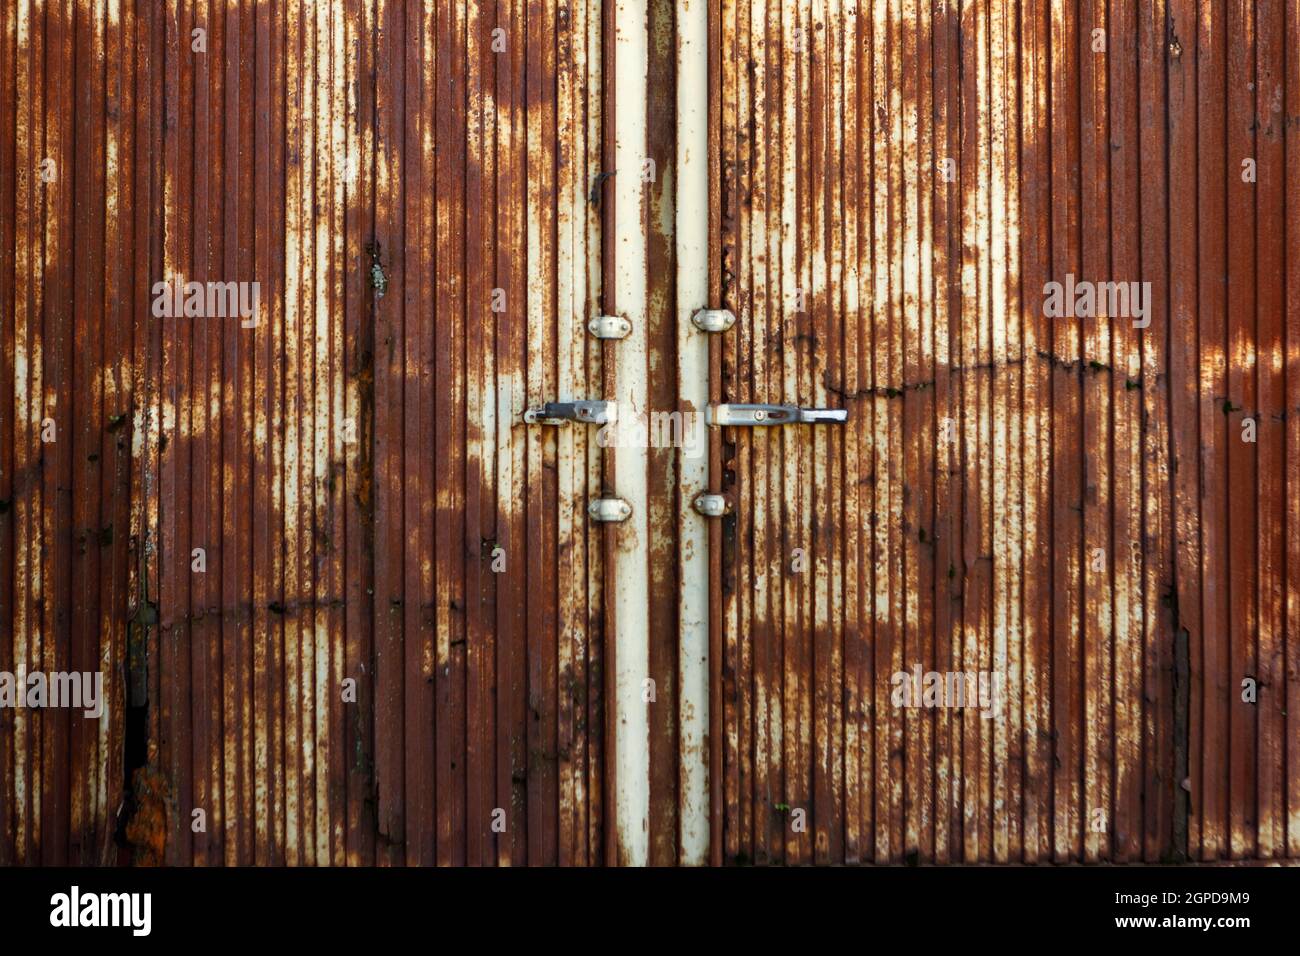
x=692 y=244
x=630 y=478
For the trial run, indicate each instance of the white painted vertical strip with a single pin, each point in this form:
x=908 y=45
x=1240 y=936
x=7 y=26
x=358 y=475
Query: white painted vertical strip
x=631 y=567
x=692 y=239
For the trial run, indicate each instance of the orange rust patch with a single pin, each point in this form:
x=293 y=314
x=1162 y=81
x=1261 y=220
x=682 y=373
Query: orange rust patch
x=146 y=832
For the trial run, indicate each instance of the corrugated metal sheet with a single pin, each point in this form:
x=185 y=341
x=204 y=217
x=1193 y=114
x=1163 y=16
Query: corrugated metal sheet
x=1068 y=502
x=425 y=194
x=66 y=286
x=409 y=184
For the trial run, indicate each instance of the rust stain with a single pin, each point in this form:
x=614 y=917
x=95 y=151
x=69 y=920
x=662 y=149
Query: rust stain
x=1068 y=503
x=288 y=512
x=147 y=827
x=347 y=604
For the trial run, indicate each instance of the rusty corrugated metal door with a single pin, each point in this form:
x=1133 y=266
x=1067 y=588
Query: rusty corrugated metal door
x=66 y=313
x=1096 y=511
x=438 y=258
x=350 y=608
x=363 y=600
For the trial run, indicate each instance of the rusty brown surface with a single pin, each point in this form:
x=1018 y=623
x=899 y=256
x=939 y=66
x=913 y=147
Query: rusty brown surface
x=1096 y=529
x=355 y=465
x=350 y=466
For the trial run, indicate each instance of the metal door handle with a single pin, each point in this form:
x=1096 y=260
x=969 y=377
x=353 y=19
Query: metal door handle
x=750 y=415
x=560 y=413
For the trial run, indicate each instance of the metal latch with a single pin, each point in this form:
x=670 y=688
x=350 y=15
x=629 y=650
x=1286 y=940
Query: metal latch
x=714 y=320
x=773 y=415
x=609 y=327
x=712 y=506
x=560 y=413
x=609 y=509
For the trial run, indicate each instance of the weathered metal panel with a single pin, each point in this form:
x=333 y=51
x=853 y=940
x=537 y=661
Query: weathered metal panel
x=350 y=609
x=66 y=228
x=1067 y=502
x=362 y=598
x=691 y=240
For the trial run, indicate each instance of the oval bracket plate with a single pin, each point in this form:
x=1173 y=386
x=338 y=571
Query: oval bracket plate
x=609 y=509
x=714 y=320
x=609 y=327
x=712 y=506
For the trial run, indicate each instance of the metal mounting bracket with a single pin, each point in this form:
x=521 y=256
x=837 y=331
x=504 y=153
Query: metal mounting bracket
x=609 y=327
x=712 y=506
x=609 y=509
x=713 y=320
